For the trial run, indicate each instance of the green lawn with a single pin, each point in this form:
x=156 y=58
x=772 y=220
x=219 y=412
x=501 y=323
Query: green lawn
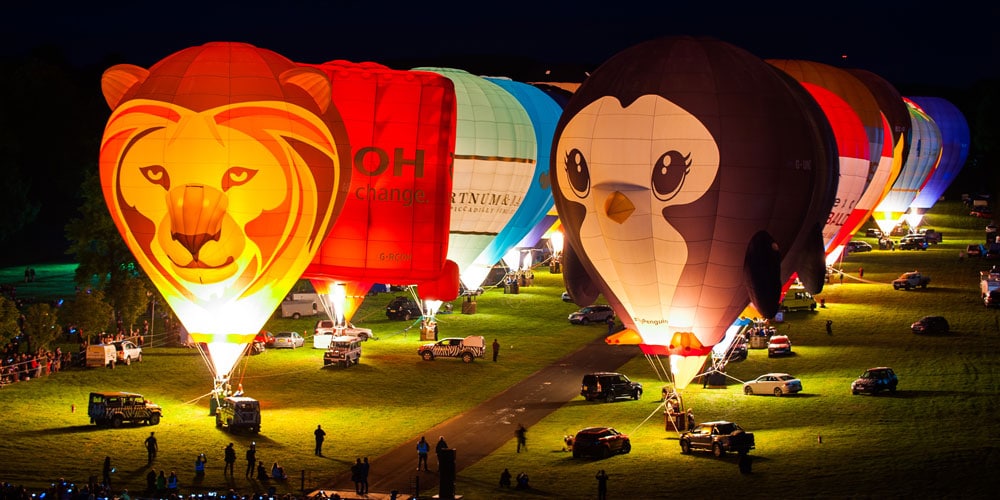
x=935 y=438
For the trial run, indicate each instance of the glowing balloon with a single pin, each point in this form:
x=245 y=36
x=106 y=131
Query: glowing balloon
x=924 y=153
x=544 y=112
x=395 y=221
x=954 y=150
x=685 y=168
x=223 y=166
x=494 y=164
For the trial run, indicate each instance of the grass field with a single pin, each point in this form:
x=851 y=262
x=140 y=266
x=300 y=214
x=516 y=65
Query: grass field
x=937 y=437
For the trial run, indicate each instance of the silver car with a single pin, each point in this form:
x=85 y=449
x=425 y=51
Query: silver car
x=778 y=384
x=289 y=340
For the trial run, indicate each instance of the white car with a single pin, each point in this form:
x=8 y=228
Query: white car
x=290 y=340
x=778 y=384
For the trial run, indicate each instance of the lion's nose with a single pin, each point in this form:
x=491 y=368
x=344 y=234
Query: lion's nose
x=196 y=214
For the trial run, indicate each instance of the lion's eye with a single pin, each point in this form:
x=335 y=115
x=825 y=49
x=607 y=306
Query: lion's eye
x=577 y=172
x=156 y=174
x=669 y=173
x=237 y=176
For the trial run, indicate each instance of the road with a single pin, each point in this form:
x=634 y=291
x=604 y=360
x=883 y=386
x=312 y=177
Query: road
x=482 y=430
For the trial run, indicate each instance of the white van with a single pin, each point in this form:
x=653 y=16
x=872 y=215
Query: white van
x=101 y=355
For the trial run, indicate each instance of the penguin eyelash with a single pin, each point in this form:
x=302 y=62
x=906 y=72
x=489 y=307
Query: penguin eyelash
x=577 y=172
x=669 y=173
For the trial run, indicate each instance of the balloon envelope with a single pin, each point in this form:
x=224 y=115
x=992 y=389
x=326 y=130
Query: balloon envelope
x=954 y=148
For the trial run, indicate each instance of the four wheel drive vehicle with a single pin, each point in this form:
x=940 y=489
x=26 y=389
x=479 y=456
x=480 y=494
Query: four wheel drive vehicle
x=778 y=384
x=343 y=351
x=797 y=298
x=719 y=437
x=115 y=408
x=99 y=355
x=468 y=349
x=913 y=242
x=592 y=314
x=126 y=352
x=933 y=325
x=858 y=246
x=600 y=442
x=779 y=345
x=874 y=380
x=910 y=280
x=238 y=413
x=608 y=386
x=403 y=308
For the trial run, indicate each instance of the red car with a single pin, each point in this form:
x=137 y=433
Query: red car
x=264 y=337
x=601 y=442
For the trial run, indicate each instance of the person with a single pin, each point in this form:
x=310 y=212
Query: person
x=199 y=465
x=320 y=435
x=151 y=448
x=125 y=495
x=365 y=468
x=356 y=476
x=602 y=485
x=611 y=324
x=161 y=483
x=277 y=471
x=107 y=470
x=251 y=460
x=690 y=418
x=151 y=481
x=496 y=349
x=423 y=448
x=829 y=327
x=841 y=277
x=261 y=471
x=441 y=446
x=568 y=442
x=230 y=454
x=521 y=434
x=505 y=479
x=172 y=482
x=522 y=481
x=861 y=272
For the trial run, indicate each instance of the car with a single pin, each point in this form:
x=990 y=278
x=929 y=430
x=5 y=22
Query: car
x=913 y=242
x=566 y=297
x=127 y=351
x=873 y=232
x=600 y=442
x=719 y=437
x=983 y=212
x=114 y=408
x=992 y=299
x=974 y=250
x=737 y=350
x=238 y=413
x=858 y=246
x=343 y=351
x=265 y=337
x=778 y=384
x=325 y=331
x=934 y=325
x=779 y=345
x=875 y=380
x=402 y=308
x=608 y=386
x=592 y=314
x=289 y=340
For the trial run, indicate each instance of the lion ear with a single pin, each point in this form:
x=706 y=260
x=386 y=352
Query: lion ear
x=119 y=79
x=313 y=81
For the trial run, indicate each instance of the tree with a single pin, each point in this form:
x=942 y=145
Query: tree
x=89 y=312
x=41 y=327
x=8 y=320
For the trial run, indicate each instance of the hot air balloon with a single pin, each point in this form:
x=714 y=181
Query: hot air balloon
x=544 y=112
x=494 y=164
x=844 y=100
x=684 y=170
x=222 y=166
x=923 y=156
x=395 y=221
x=891 y=146
x=954 y=150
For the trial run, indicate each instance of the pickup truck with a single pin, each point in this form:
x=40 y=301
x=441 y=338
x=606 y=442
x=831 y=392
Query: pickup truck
x=468 y=348
x=719 y=437
x=910 y=280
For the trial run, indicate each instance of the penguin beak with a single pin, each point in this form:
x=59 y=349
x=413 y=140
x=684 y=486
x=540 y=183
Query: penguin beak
x=618 y=207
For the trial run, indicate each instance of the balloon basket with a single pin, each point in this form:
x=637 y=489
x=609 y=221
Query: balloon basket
x=468 y=307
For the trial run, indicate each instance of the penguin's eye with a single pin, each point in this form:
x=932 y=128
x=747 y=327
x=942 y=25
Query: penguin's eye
x=577 y=172
x=669 y=173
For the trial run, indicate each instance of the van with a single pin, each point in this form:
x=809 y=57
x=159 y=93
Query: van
x=797 y=298
x=101 y=355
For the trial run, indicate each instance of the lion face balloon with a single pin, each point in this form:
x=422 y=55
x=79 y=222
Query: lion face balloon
x=222 y=166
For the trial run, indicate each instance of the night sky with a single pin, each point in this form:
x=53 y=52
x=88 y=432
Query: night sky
x=949 y=45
